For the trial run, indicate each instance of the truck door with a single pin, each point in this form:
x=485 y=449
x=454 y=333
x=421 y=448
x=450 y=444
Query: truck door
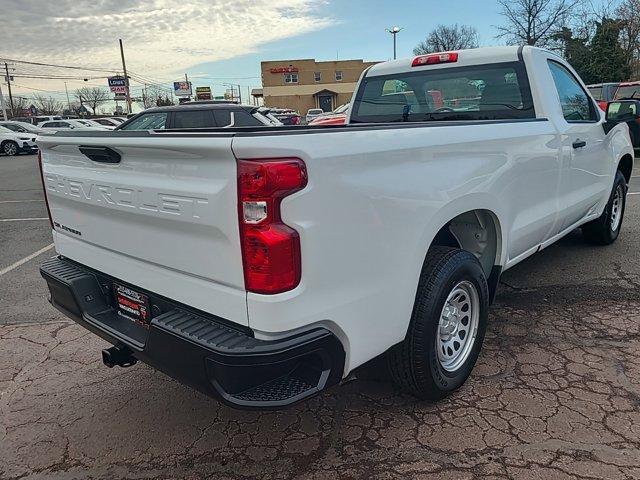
x=585 y=170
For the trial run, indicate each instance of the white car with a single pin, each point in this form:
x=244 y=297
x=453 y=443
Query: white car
x=21 y=127
x=263 y=265
x=314 y=113
x=102 y=122
x=13 y=143
x=57 y=125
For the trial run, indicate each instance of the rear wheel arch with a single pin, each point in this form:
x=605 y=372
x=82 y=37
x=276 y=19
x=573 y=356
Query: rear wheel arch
x=480 y=233
x=625 y=165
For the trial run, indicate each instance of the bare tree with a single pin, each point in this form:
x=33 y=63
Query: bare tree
x=93 y=97
x=628 y=14
x=47 y=105
x=448 y=37
x=533 y=22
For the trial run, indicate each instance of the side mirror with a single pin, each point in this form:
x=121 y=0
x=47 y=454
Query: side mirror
x=623 y=111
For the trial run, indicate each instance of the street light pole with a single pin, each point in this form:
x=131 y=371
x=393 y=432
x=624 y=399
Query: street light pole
x=394 y=31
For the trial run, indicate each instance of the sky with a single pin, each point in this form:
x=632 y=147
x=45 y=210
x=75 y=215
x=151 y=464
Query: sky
x=214 y=41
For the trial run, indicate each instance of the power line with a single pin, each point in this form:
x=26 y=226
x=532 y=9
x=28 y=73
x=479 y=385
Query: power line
x=11 y=60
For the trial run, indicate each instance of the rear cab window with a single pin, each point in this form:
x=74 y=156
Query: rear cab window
x=628 y=92
x=193 y=119
x=483 y=92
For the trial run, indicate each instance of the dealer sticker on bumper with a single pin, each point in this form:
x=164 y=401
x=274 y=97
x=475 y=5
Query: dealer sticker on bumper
x=131 y=304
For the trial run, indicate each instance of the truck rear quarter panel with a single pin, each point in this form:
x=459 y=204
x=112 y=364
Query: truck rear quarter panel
x=376 y=197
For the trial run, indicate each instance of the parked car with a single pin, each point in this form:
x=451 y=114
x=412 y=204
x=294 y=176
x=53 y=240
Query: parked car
x=71 y=125
x=264 y=265
x=45 y=118
x=13 y=143
x=628 y=112
x=603 y=93
x=107 y=122
x=119 y=120
x=20 y=127
x=198 y=115
x=313 y=113
x=336 y=117
x=287 y=116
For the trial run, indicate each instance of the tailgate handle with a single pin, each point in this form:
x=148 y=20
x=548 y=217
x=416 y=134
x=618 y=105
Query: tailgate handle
x=101 y=154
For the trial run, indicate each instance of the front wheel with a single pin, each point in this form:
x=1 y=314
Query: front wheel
x=447 y=326
x=10 y=148
x=605 y=229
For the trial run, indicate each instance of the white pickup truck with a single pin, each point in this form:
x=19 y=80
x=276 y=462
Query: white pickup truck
x=262 y=265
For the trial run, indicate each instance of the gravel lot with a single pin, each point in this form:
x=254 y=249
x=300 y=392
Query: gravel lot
x=555 y=394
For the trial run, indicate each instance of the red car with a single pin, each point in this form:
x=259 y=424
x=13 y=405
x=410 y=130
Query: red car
x=603 y=93
x=336 y=117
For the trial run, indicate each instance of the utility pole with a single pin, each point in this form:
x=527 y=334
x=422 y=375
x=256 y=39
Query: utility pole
x=126 y=78
x=68 y=101
x=4 y=109
x=6 y=69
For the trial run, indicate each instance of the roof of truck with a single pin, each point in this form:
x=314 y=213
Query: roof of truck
x=201 y=106
x=473 y=56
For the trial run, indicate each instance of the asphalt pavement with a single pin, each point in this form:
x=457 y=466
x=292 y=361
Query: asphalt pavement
x=555 y=393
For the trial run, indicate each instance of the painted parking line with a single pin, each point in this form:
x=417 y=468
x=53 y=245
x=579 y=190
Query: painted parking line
x=22 y=219
x=15 y=265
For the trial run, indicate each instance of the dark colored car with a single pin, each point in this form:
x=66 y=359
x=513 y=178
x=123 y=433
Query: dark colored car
x=628 y=111
x=603 y=93
x=197 y=115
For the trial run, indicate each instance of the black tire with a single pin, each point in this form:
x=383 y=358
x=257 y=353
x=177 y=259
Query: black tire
x=601 y=231
x=10 y=148
x=414 y=364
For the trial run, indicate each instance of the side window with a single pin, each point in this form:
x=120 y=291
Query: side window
x=244 y=119
x=317 y=76
x=149 y=121
x=223 y=118
x=576 y=106
x=193 y=119
x=338 y=75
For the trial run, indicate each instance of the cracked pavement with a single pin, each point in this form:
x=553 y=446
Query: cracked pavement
x=555 y=393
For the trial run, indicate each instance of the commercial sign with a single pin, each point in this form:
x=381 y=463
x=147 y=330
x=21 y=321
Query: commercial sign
x=182 y=89
x=203 y=93
x=118 y=84
x=284 y=69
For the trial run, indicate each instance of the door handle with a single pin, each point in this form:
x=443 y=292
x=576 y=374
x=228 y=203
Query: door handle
x=100 y=154
x=579 y=144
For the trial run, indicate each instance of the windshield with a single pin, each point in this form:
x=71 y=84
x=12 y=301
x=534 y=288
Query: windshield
x=630 y=91
x=342 y=108
x=482 y=92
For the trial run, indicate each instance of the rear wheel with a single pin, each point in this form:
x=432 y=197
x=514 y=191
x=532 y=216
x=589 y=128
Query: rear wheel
x=447 y=326
x=10 y=148
x=605 y=229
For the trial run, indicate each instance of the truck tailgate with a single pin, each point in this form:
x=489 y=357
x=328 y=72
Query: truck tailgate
x=166 y=213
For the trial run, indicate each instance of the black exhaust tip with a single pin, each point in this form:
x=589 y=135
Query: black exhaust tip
x=118 y=356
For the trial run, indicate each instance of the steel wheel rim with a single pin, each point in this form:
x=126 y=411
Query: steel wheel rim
x=458 y=326
x=10 y=149
x=616 y=208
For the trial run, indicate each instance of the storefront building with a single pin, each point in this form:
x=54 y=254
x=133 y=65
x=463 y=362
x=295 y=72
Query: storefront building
x=304 y=84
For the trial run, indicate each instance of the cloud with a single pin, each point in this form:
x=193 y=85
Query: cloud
x=161 y=37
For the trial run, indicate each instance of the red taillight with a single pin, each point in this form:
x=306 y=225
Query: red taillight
x=435 y=59
x=44 y=188
x=270 y=248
